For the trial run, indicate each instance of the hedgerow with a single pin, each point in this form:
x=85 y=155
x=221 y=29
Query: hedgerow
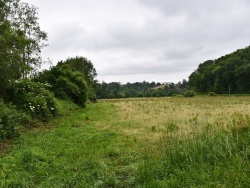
x=66 y=84
x=9 y=121
x=32 y=98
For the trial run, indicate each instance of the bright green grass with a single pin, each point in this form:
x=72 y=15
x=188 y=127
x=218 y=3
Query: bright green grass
x=87 y=148
x=74 y=154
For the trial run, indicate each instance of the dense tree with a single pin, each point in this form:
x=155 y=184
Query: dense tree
x=229 y=72
x=202 y=79
x=84 y=66
x=66 y=83
x=139 y=89
x=21 y=41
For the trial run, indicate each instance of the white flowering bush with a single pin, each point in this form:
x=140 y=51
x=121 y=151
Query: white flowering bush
x=34 y=98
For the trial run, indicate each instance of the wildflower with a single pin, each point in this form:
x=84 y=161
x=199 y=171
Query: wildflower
x=32 y=108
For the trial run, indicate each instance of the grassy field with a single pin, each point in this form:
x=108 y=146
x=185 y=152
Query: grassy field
x=155 y=142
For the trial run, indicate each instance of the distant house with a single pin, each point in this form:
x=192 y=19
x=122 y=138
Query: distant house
x=163 y=86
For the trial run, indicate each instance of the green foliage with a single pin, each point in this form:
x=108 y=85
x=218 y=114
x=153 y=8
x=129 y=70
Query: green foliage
x=140 y=89
x=140 y=94
x=66 y=107
x=10 y=121
x=83 y=65
x=92 y=97
x=121 y=95
x=189 y=93
x=212 y=94
x=21 y=41
x=33 y=98
x=227 y=74
x=66 y=83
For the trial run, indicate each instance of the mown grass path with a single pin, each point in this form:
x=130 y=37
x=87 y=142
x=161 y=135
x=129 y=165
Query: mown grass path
x=89 y=148
x=77 y=152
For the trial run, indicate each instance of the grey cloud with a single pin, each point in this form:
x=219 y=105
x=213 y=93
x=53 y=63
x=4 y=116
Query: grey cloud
x=144 y=39
x=193 y=7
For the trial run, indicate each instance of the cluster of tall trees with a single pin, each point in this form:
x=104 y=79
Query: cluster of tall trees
x=139 y=89
x=227 y=74
x=72 y=79
x=25 y=93
x=21 y=41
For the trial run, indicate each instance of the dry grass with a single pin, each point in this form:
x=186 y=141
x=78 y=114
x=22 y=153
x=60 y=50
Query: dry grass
x=150 y=117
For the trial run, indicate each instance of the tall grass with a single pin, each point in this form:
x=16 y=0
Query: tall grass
x=200 y=142
x=167 y=142
x=213 y=158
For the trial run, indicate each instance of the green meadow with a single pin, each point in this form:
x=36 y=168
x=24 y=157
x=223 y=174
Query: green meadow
x=145 y=142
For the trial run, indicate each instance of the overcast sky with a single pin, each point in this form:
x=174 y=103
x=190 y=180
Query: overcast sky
x=137 y=40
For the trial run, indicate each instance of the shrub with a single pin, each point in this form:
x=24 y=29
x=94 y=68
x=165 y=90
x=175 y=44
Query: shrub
x=92 y=97
x=9 y=121
x=33 y=98
x=140 y=94
x=66 y=84
x=111 y=96
x=211 y=94
x=189 y=93
x=121 y=95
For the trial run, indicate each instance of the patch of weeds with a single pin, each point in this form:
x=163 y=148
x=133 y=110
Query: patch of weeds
x=171 y=126
x=153 y=128
x=112 y=152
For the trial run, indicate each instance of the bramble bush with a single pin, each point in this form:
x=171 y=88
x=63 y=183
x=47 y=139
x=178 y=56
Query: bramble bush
x=33 y=98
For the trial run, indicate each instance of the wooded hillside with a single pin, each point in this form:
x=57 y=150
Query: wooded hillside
x=227 y=74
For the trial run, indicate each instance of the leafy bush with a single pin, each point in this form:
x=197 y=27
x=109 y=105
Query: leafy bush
x=111 y=96
x=9 y=121
x=211 y=94
x=84 y=66
x=189 y=93
x=33 y=98
x=92 y=97
x=66 y=84
x=140 y=94
x=121 y=95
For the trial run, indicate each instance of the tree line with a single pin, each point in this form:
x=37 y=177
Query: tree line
x=27 y=95
x=227 y=74
x=21 y=42
x=140 y=89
